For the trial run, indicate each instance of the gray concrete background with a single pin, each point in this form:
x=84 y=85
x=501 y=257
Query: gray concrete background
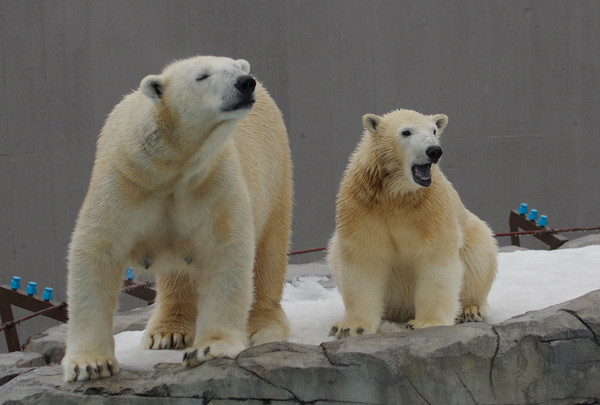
x=519 y=80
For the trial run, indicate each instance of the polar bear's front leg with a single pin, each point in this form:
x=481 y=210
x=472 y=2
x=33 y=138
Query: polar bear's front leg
x=437 y=291
x=225 y=300
x=363 y=290
x=93 y=288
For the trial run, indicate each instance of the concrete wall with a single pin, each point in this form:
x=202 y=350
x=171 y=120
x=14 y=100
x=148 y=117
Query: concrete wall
x=519 y=80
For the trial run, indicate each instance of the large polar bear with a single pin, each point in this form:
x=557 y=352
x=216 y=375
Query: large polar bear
x=193 y=180
x=405 y=248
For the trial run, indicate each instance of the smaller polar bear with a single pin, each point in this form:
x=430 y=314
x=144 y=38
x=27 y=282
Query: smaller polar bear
x=193 y=181
x=405 y=249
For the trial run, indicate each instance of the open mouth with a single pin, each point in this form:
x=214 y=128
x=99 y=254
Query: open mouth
x=422 y=174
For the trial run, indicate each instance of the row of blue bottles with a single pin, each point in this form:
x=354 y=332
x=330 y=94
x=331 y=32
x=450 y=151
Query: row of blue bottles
x=31 y=289
x=533 y=215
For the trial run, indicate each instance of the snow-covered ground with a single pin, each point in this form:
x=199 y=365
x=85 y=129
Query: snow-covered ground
x=527 y=280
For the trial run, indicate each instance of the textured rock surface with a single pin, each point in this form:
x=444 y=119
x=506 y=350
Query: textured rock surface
x=14 y=364
x=588 y=240
x=550 y=356
x=21 y=359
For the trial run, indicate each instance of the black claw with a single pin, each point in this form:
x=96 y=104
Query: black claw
x=360 y=331
x=333 y=331
x=206 y=351
x=110 y=369
x=188 y=260
x=190 y=355
x=76 y=371
x=98 y=369
x=89 y=370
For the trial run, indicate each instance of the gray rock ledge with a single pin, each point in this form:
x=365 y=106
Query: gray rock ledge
x=551 y=356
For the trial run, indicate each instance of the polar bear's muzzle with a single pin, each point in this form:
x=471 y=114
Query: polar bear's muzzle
x=422 y=173
x=245 y=85
x=245 y=98
x=434 y=153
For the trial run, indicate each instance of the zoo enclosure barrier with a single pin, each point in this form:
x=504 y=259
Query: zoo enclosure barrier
x=11 y=295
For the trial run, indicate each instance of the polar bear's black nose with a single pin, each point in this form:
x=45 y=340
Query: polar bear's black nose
x=434 y=153
x=245 y=84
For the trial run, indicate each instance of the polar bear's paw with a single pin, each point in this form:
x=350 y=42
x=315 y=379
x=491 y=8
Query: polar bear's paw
x=89 y=367
x=266 y=326
x=418 y=324
x=271 y=333
x=471 y=313
x=212 y=348
x=162 y=340
x=346 y=329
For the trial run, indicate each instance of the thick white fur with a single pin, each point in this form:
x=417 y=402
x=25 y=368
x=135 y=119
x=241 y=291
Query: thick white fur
x=401 y=251
x=195 y=192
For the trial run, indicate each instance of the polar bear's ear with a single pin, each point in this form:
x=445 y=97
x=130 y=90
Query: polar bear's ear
x=441 y=121
x=371 y=122
x=152 y=86
x=244 y=64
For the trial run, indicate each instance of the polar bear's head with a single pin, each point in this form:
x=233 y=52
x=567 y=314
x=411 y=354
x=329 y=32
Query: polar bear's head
x=408 y=144
x=203 y=90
